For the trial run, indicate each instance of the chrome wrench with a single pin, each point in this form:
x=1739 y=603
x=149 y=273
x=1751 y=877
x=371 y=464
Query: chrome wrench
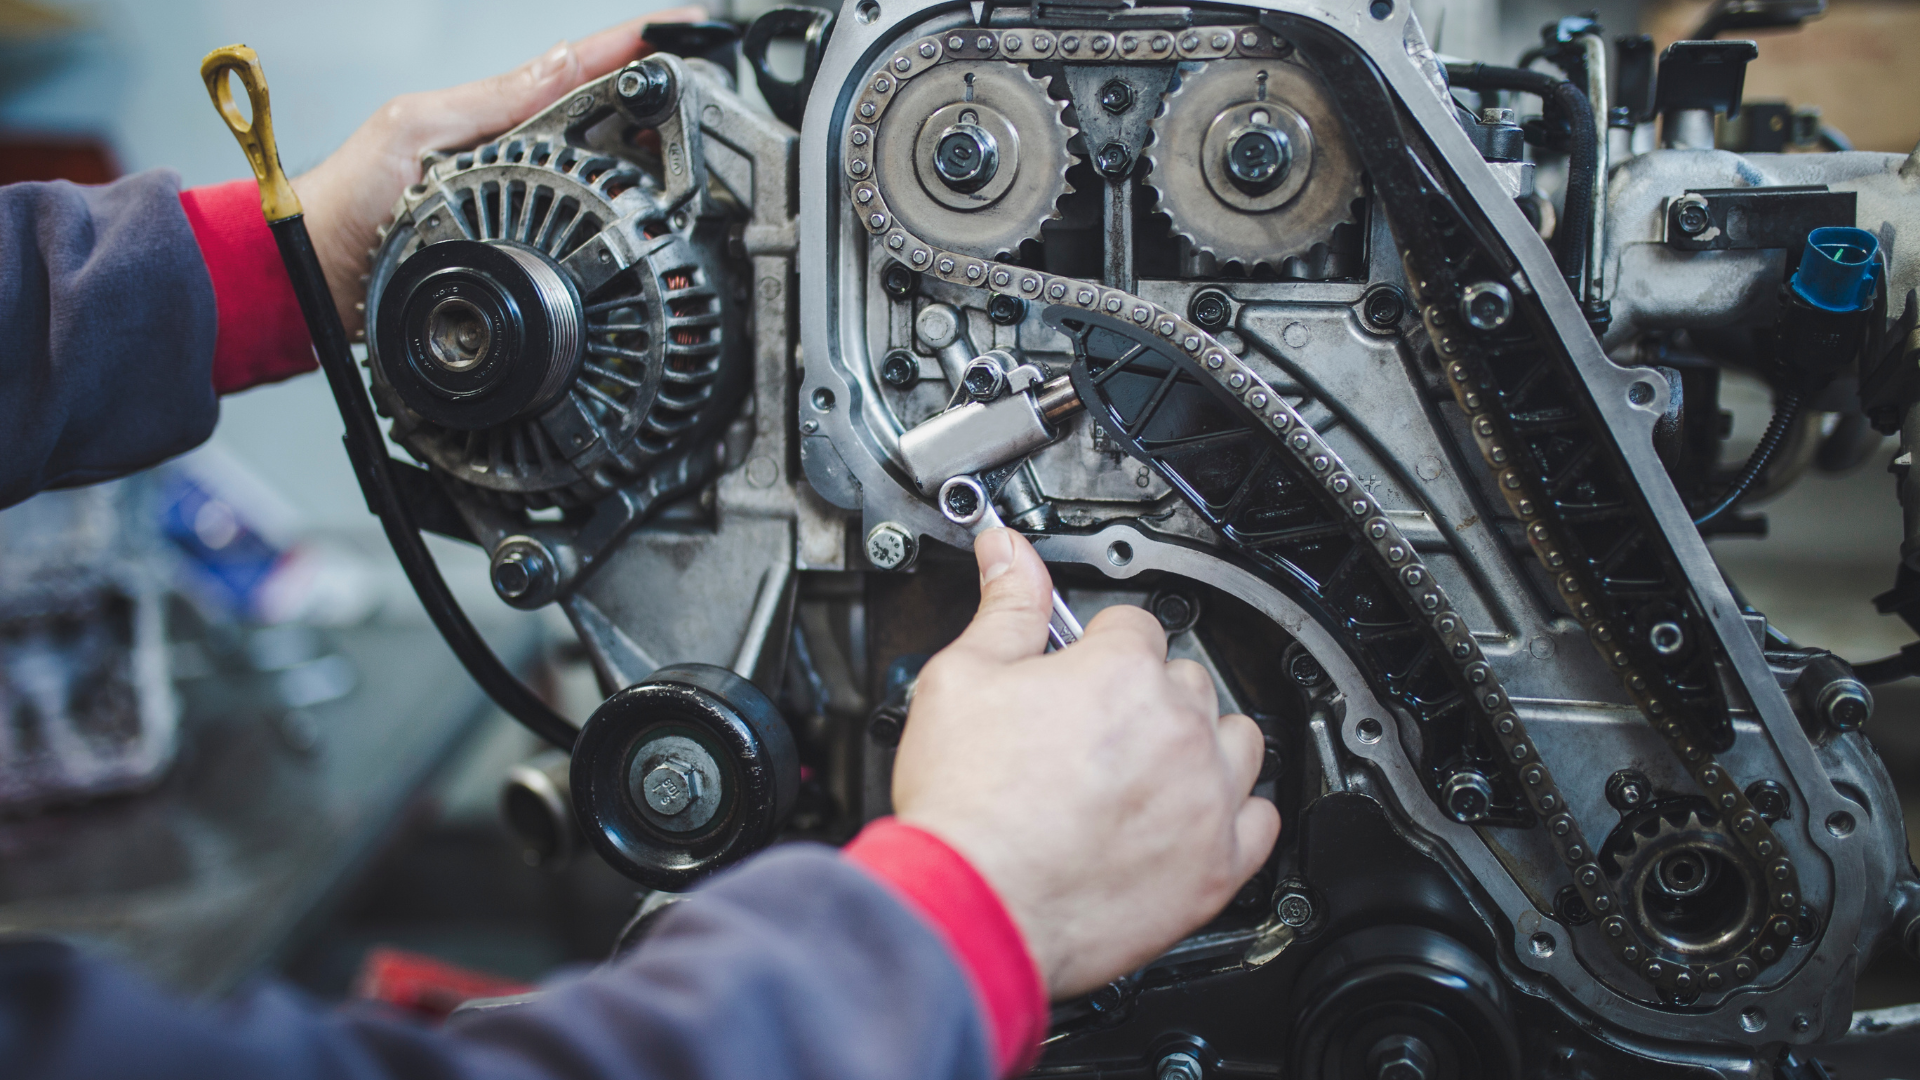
x=965 y=502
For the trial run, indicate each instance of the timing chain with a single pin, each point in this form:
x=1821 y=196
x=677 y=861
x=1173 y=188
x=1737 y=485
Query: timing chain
x=1201 y=355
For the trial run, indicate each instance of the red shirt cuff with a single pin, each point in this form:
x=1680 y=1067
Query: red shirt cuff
x=262 y=335
x=940 y=884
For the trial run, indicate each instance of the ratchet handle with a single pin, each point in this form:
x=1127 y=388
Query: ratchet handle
x=254 y=129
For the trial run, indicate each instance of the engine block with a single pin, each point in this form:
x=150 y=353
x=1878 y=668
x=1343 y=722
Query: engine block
x=1241 y=316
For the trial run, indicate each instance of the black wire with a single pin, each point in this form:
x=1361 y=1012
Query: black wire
x=367 y=450
x=1564 y=103
x=1785 y=411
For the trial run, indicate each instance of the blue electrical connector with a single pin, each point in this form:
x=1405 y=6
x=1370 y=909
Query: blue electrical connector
x=1837 y=269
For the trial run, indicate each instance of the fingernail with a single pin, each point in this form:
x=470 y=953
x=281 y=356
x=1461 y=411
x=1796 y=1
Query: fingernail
x=549 y=62
x=994 y=549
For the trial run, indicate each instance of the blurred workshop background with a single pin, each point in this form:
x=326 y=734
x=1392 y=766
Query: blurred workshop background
x=304 y=780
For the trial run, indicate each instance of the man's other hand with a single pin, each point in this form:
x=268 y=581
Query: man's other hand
x=1098 y=788
x=351 y=194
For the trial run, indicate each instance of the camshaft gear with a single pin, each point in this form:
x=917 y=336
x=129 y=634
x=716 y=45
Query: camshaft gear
x=973 y=157
x=1251 y=163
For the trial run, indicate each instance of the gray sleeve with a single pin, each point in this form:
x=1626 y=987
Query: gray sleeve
x=797 y=966
x=107 y=326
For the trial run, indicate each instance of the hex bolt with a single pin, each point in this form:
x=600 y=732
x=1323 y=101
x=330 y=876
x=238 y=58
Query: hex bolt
x=671 y=787
x=1828 y=688
x=900 y=370
x=1383 y=307
x=984 y=379
x=1846 y=704
x=1770 y=800
x=1117 y=96
x=1211 y=308
x=1179 y=1065
x=1690 y=213
x=1114 y=161
x=646 y=86
x=1486 y=305
x=1468 y=796
x=1499 y=116
x=1666 y=637
x=1293 y=908
x=1006 y=310
x=898 y=281
x=524 y=573
x=1628 y=789
x=891 y=546
x=967 y=157
x=962 y=501
x=1258 y=159
x=1568 y=905
x=1305 y=670
x=1402 y=1057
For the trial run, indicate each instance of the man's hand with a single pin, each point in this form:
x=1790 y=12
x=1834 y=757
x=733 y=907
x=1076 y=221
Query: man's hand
x=351 y=194
x=1098 y=789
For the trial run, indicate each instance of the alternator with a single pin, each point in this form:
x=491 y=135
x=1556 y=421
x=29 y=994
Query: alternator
x=515 y=358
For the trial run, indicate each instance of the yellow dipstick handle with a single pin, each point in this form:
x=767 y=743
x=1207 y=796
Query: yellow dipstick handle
x=255 y=136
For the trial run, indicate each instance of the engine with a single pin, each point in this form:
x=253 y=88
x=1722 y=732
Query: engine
x=1251 y=315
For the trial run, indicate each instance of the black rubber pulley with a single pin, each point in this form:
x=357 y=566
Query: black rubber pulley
x=683 y=773
x=474 y=333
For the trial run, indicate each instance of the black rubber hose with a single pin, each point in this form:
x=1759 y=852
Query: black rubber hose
x=1785 y=411
x=367 y=449
x=1565 y=103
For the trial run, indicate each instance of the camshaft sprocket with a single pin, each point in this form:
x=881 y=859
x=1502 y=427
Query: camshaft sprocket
x=1275 y=106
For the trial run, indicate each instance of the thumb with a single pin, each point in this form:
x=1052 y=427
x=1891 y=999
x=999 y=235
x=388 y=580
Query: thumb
x=1015 y=599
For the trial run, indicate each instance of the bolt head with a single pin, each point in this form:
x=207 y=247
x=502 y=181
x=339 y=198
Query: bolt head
x=1691 y=215
x=1006 y=310
x=1627 y=789
x=671 y=787
x=523 y=572
x=966 y=158
x=1384 y=308
x=1258 y=159
x=1468 y=796
x=1305 y=670
x=1667 y=638
x=1294 y=909
x=962 y=501
x=1116 y=96
x=900 y=370
x=1486 y=305
x=890 y=546
x=1113 y=160
x=1212 y=309
x=1179 y=1065
x=1770 y=800
x=898 y=281
x=983 y=379
x=1846 y=705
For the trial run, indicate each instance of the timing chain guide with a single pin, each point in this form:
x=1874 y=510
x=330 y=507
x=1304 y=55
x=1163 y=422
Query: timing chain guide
x=1307 y=522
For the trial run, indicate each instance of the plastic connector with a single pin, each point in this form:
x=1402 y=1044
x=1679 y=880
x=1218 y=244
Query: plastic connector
x=1837 y=269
